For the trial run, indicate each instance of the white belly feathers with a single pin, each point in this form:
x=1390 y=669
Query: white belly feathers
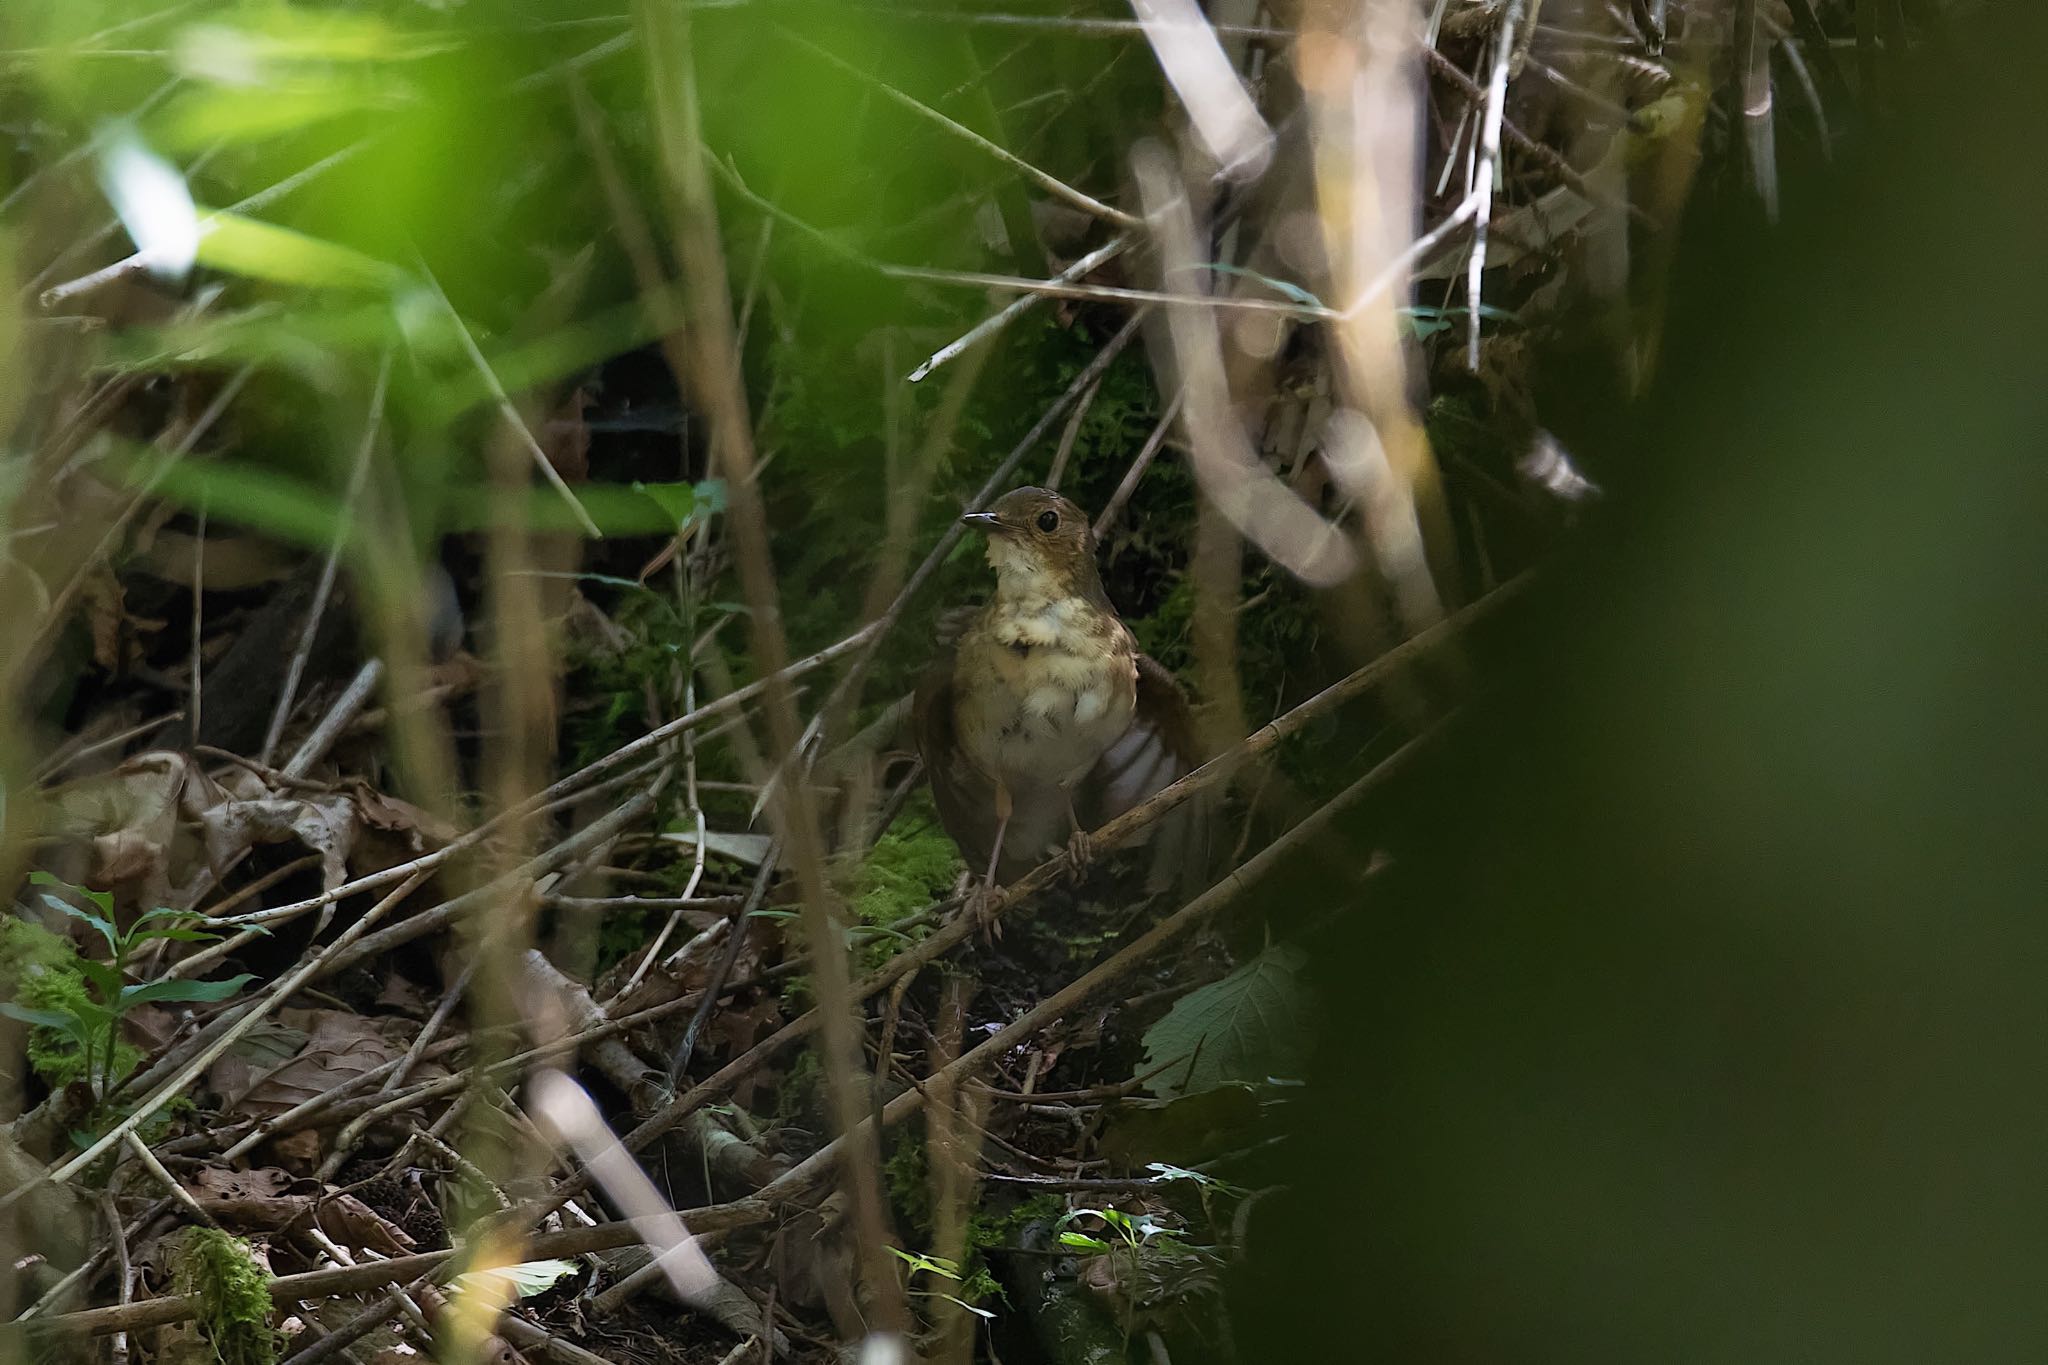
x=1050 y=692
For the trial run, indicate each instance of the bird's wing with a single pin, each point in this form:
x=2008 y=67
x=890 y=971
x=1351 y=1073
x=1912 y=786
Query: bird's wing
x=965 y=799
x=1158 y=748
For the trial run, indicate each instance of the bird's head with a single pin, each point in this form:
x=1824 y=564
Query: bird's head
x=1040 y=543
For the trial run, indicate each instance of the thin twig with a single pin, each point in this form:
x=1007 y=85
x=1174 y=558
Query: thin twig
x=736 y=937
x=665 y=38
x=996 y=321
x=295 y=671
x=1068 y=435
x=511 y=414
x=1139 y=464
x=1489 y=158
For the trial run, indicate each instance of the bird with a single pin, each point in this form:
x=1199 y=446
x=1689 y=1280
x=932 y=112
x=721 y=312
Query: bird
x=1043 y=719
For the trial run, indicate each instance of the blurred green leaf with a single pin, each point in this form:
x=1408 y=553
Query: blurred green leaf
x=637 y=509
x=264 y=251
x=679 y=500
x=250 y=494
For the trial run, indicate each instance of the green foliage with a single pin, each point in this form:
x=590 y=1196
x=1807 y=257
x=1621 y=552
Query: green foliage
x=908 y=1173
x=1252 y=1024
x=39 y=973
x=971 y=1287
x=233 y=1295
x=89 y=1018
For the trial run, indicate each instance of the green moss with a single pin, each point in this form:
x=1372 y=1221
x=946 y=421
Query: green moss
x=233 y=1296
x=909 y=868
x=800 y=1095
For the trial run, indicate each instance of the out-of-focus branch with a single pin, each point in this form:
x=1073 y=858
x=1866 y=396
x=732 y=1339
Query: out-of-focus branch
x=664 y=30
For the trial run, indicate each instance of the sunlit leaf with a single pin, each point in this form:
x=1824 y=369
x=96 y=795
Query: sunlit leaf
x=937 y=1265
x=150 y=198
x=525 y=1279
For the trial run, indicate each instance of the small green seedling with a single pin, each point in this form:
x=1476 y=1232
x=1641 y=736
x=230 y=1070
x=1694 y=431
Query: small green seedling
x=95 y=1025
x=944 y=1269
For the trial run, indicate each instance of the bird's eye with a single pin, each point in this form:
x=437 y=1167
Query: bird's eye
x=1048 y=520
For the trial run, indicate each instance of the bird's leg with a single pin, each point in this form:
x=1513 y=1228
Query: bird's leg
x=1080 y=843
x=982 y=899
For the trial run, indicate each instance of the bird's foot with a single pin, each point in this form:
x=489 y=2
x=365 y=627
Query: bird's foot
x=980 y=904
x=1080 y=852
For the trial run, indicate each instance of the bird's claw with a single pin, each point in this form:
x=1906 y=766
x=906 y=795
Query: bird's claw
x=981 y=904
x=1080 y=852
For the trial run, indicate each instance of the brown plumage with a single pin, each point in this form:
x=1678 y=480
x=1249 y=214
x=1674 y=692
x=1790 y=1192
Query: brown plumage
x=1043 y=720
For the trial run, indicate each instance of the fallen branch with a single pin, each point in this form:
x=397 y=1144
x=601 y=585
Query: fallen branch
x=369 y=1275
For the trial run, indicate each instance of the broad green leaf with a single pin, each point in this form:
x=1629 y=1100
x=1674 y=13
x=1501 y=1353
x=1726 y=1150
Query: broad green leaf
x=55 y=1019
x=1083 y=1242
x=678 y=500
x=183 y=990
x=264 y=251
x=100 y=974
x=1252 y=1024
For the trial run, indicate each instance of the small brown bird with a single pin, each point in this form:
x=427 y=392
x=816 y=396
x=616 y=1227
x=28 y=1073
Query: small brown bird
x=1043 y=720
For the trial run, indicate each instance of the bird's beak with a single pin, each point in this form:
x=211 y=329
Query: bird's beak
x=987 y=521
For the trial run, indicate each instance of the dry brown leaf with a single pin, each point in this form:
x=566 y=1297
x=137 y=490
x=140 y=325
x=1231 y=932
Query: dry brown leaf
x=271 y=1200
x=325 y=823
x=255 y=1054
x=131 y=819
x=104 y=602
x=339 y=1047
x=299 y=1152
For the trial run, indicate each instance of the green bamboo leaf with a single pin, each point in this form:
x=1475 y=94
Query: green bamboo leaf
x=183 y=990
